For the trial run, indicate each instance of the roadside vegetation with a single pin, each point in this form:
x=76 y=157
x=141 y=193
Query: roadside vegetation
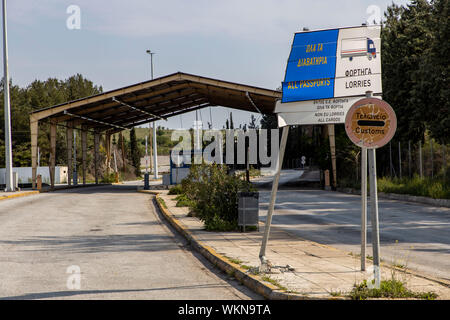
x=212 y=193
x=437 y=188
x=389 y=289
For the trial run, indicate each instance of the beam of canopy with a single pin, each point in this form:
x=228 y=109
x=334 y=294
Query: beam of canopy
x=156 y=99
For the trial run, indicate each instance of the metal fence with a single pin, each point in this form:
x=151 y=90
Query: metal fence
x=407 y=158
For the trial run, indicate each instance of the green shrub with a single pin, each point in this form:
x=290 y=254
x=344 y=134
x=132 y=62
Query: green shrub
x=214 y=195
x=177 y=189
x=111 y=178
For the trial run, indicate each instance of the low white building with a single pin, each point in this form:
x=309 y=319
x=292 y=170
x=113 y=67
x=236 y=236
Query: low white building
x=24 y=174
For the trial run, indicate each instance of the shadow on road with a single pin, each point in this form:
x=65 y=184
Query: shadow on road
x=62 y=294
x=98 y=243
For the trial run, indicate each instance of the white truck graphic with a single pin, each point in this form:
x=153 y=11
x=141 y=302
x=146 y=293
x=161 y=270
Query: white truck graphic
x=355 y=47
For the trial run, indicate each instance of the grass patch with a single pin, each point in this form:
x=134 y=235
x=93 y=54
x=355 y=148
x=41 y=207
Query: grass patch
x=246 y=267
x=161 y=202
x=183 y=201
x=234 y=260
x=388 y=289
x=436 y=188
x=336 y=293
x=274 y=282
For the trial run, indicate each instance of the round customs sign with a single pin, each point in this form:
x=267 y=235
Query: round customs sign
x=370 y=123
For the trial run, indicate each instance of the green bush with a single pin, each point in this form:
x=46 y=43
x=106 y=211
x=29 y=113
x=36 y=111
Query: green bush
x=176 y=189
x=111 y=178
x=214 y=195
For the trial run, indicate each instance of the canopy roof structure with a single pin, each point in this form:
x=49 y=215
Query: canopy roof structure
x=157 y=99
x=127 y=107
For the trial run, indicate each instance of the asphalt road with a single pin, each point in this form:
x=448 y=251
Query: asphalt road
x=113 y=237
x=413 y=235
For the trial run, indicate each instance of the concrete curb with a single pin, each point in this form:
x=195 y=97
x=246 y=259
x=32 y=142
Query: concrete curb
x=403 y=197
x=29 y=193
x=267 y=290
x=17 y=195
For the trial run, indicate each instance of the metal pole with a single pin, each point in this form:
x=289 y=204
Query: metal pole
x=374 y=216
x=262 y=252
x=444 y=159
x=146 y=155
x=431 y=154
x=96 y=155
x=409 y=158
x=7 y=109
x=363 y=207
x=155 y=151
x=75 y=176
x=420 y=160
x=390 y=159
x=399 y=160
x=155 y=147
x=332 y=140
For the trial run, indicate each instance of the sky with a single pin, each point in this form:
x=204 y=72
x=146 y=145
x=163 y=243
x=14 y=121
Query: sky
x=244 y=41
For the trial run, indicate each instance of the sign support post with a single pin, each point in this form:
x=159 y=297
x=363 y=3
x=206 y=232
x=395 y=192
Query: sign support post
x=363 y=207
x=370 y=124
x=273 y=197
x=374 y=216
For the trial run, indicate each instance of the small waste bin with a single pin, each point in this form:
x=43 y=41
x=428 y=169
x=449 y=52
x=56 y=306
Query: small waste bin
x=146 y=181
x=248 y=209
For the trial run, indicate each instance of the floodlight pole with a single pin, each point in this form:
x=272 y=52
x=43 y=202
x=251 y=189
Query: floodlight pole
x=155 y=147
x=7 y=106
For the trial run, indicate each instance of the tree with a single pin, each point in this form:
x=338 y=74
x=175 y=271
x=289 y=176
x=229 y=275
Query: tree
x=40 y=94
x=406 y=39
x=436 y=70
x=231 y=121
x=135 y=154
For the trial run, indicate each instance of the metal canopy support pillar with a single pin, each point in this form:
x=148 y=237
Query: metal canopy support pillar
x=52 y=153
x=69 y=136
x=262 y=253
x=83 y=151
x=108 y=152
x=375 y=235
x=332 y=139
x=34 y=128
x=96 y=147
x=123 y=152
x=363 y=207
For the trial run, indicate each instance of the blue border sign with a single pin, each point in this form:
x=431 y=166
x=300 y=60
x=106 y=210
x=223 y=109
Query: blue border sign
x=333 y=63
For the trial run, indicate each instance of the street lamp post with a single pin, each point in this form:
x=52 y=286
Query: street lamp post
x=8 y=144
x=155 y=148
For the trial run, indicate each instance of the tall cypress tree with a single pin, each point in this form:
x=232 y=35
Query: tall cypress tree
x=436 y=70
x=134 y=151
